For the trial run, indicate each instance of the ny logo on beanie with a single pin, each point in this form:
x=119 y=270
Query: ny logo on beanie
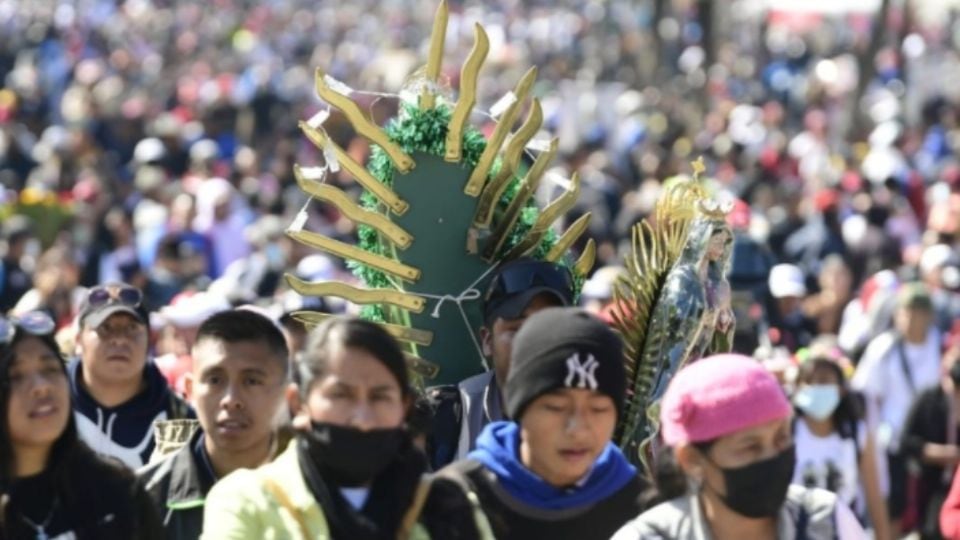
x=583 y=371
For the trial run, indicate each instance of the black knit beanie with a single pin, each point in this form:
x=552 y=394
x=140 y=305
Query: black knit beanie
x=564 y=348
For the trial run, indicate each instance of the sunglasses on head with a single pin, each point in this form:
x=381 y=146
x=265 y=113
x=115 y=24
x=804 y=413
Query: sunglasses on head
x=35 y=323
x=524 y=276
x=101 y=296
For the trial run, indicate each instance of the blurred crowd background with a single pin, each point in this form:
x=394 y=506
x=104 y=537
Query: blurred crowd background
x=153 y=142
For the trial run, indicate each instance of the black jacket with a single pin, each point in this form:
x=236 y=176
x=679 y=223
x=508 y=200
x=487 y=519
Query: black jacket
x=81 y=496
x=511 y=519
x=927 y=423
x=125 y=432
x=178 y=486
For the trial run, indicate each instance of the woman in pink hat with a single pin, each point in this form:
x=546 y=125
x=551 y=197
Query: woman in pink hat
x=728 y=423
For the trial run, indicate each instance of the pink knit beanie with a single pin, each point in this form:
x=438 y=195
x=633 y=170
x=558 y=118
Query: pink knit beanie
x=719 y=395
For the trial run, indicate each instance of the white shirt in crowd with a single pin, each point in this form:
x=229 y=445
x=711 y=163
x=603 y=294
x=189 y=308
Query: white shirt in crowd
x=830 y=463
x=883 y=381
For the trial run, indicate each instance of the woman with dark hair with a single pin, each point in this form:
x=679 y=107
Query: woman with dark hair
x=834 y=449
x=728 y=423
x=353 y=472
x=47 y=475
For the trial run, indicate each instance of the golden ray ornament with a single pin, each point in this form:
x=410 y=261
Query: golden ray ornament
x=442 y=207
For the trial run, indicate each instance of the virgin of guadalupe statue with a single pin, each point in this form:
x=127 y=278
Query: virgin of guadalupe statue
x=692 y=316
x=674 y=301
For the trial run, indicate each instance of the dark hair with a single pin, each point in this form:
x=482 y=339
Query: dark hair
x=356 y=334
x=848 y=412
x=72 y=466
x=237 y=325
x=6 y=362
x=668 y=479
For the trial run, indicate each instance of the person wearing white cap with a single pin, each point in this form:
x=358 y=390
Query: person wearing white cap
x=788 y=325
x=597 y=292
x=177 y=325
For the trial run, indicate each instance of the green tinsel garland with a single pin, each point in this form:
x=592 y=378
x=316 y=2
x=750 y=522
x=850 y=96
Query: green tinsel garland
x=416 y=130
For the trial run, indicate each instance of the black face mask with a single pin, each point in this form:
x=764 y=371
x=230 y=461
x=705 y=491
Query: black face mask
x=349 y=456
x=955 y=373
x=759 y=489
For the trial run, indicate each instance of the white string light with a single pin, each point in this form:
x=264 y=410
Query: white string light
x=503 y=104
x=469 y=293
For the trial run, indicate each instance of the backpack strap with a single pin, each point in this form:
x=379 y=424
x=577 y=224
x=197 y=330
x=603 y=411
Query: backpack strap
x=905 y=365
x=413 y=513
x=855 y=431
x=457 y=473
x=178 y=407
x=803 y=522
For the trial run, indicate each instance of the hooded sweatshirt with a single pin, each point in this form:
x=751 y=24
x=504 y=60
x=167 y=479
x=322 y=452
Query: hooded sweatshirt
x=520 y=504
x=125 y=432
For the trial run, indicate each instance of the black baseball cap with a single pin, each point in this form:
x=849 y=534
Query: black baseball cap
x=103 y=301
x=517 y=283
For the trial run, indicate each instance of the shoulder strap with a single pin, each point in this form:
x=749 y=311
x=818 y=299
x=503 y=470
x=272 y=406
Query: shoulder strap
x=803 y=521
x=457 y=473
x=281 y=496
x=905 y=365
x=178 y=407
x=413 y=513
x=855 y=427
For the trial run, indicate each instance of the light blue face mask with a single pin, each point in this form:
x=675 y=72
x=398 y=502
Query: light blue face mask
x=818 y=401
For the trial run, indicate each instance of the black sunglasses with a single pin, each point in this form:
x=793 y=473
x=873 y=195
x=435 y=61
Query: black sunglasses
x=520 y=277
x=35 y=323
x=101 y=296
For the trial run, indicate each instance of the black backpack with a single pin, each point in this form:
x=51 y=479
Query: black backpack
x=447 y=416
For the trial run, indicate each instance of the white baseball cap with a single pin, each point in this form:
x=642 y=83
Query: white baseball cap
x=786 y=280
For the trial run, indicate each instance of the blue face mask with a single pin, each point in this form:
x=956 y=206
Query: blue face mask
x=818 y=401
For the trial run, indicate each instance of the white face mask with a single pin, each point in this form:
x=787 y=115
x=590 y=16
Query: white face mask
x=818 y=401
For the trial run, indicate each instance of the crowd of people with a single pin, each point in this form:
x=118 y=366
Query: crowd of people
x=148 y=345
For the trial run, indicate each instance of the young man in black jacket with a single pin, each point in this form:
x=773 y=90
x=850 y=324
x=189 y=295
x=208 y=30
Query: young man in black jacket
x=118 y=394
x=518 y=290
x=240 y=372
x=553 y=471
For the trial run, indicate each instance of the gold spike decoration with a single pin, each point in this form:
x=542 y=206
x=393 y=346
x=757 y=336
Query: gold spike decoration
x=479 y=174
x=361 y=174
x=342 y=202
x=527 y=189
x=551 y=213
x=511 y=161
x=363 y=125
x=347 y=251
x=585 y=263
x=569 y=237
x=421 y=367
x=311 y=319
x=468 y=93
x=435 y=56
x=339 y=289
x=443 y=203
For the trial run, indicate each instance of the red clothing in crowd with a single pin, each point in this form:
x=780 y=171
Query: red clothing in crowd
x=950 y=513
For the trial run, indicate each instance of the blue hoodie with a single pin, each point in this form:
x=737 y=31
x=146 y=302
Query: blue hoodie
x=498 y=450
x=124 y=432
